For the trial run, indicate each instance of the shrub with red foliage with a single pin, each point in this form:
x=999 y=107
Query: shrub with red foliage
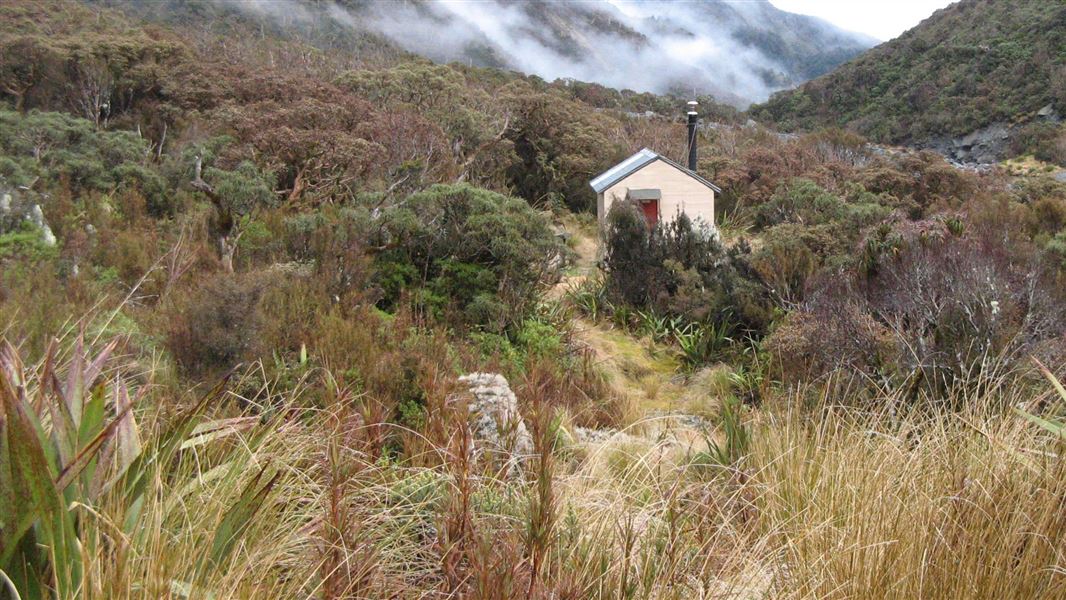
x=957 y=302
x=217 y=326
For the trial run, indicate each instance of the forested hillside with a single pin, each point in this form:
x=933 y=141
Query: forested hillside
x=291 y=313
x=971 y=65
x=740 y=52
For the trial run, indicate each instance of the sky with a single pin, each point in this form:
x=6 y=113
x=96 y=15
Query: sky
x=882 y=19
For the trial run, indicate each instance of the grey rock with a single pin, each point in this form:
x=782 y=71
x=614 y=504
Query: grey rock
x=16 y=208
x=588 y=435
x=985 y=146
x=496 y=424
x=36 y=217
x=293 y=268
x=981 y=147
x=1049 y=114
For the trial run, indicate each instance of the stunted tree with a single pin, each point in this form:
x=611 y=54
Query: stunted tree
x=422 y=85
x=91 y=88
x=235 y=194
x=23 y=63
x=560 y=146
x=435 y=116
x=311 y=144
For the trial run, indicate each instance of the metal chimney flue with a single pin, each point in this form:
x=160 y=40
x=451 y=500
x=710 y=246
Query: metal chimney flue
x=693 y=116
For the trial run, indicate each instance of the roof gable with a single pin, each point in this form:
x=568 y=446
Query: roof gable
x=635 y=163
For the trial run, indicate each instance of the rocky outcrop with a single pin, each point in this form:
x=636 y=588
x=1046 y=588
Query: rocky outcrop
x=984 y=146
x=496 y=424
x=36 y=217
x=15 y=210
x=990 y=144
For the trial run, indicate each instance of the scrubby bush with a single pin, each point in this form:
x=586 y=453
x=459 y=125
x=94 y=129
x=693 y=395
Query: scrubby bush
x=1045 y=141
x=559 y=144
x=788 y=257
x=832 y=333
x=473 y=256
x=682 y=269
x=217 y=325
x=932 y=305
x=803 y=202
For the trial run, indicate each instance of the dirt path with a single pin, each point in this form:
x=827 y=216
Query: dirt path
x=647 y=375
x=585 y=246
x=670 y=412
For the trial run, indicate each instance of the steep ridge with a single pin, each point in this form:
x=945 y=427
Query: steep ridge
x=992 y=68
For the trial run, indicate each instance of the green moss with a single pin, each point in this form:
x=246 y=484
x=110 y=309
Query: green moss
x=26 y=243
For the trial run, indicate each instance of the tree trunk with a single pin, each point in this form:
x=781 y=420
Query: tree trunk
x=297 y=186
x=227 y=247
x=228 y=238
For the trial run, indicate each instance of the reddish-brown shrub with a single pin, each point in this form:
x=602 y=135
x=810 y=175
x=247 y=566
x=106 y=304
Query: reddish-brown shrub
x=217 y=325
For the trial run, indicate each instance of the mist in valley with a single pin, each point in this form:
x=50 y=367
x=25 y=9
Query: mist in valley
x=740 y=52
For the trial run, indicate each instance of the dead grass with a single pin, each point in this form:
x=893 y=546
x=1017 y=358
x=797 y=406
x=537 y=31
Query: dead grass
x=950 y=506
x=827 y=504
x=640 y=370
x=1028 y=165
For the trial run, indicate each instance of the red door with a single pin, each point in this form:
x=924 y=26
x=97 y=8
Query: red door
x=651 y=212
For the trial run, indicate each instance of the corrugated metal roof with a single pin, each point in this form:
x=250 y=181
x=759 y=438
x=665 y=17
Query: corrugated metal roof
x=627 y=166
x=635 y=163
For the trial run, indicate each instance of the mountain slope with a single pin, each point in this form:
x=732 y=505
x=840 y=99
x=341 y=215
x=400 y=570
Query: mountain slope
x=740 y=52
x=971 y=65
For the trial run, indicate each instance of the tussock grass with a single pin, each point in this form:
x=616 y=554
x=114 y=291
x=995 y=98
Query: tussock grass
x=963 y=505
x=306 y=503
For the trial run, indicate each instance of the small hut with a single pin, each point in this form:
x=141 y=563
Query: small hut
x=661 y=187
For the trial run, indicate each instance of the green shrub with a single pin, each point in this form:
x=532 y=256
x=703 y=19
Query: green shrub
x=26 y=243
x=158 y=199
x=493 y=345
x=682 y=270
x=1057 y=247
x=56 y=146
x=539 y=339
x=255 y=236
x=800 y=201
x=481 y=257
x=245 y=188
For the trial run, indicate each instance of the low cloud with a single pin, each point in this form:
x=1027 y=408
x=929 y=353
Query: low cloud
x=645 y=45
